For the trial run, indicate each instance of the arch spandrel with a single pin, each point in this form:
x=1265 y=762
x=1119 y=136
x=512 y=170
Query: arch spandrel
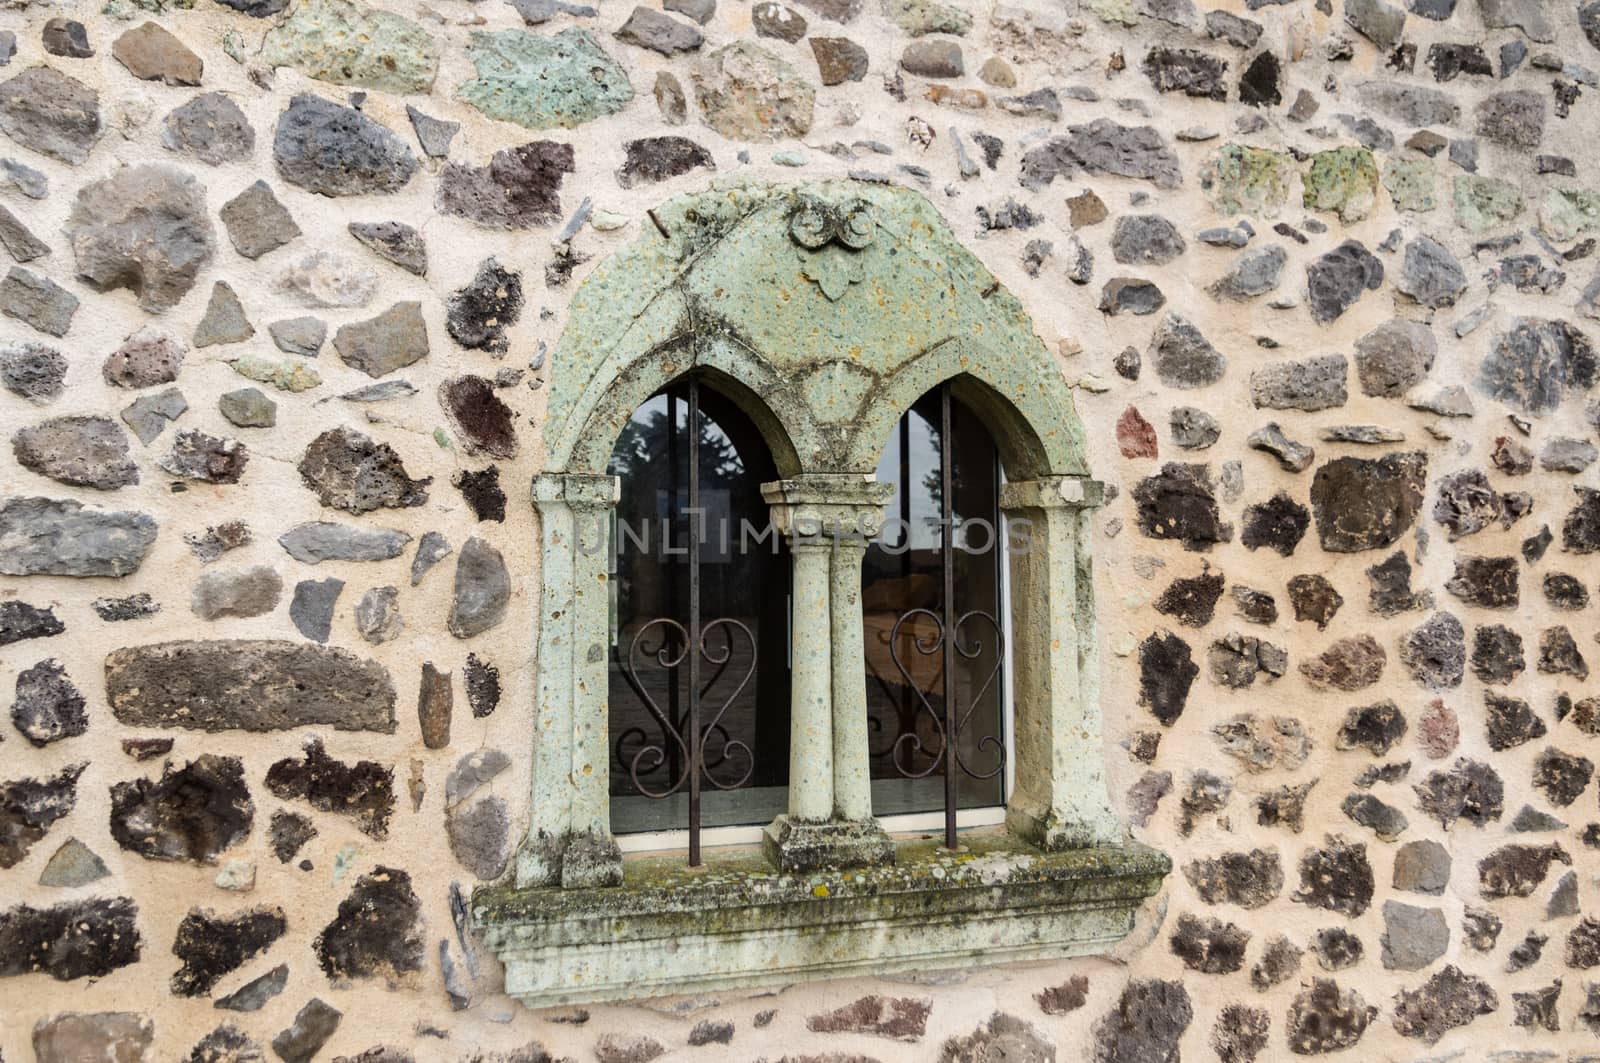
x=836 y=303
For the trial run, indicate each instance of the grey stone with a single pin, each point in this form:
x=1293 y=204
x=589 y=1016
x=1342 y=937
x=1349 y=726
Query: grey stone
x=1312 y=384
x=1146 y=239
x=312 y=1026
x=20 y=621
x=149 y=357
x=320 y=541
x=659 y=32
x=24 y=178
x=394 y=241
x=8 y=47
x=1386 y=821
x=1337 y=279
x=1565 y=454
x=1145 y=1026
x=1436 y=652
x=48 y=707
x=394 y=339
x=1422 y=867
x=1515 y=119
x=33 y=371
x=352 y=472
x=77 y=451
x=256 y=222
x=190 y=814
x=206 y=458
x=242 y=592
x=378 y=615
x=1526 y=15
x=133 y=607
x=311 y=608
x=480 y=835
x=51 y=113
x=254 y=994
x=1240 y=32
x=59 y=537
x=149 y=415
x=299 y=335
x=248 y=685
x=248 y=408
x=471 y=773
x=21 y=243
x=211 y=128
x=224 y=320
x=482 y=590
x=1325 y=1018
x=73 y=865
x=1182 y=357
x=213 y=946
x=28 y=809
x=1367 y=504
x=67 y=38
x=1102 y=146
x=119 y=1036
x=1194 y=429
x=434 y=134
x=1383 y=24
x=1129 y=295
x=1254 y=273
x=519 y=189
x=1411 y=104
x=772 y=19
x=431 y=549
x=389 y=389
x=1292 y=456
x=37 y=301
x=145 y=228
x=338 y=151
x=1394 y=358
x=1448 y=1000
x=933 y=58
x=1186 y=70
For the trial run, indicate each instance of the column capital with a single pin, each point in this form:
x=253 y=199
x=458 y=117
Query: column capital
x=1053 y=492
x=828 y=506
x=574 y=489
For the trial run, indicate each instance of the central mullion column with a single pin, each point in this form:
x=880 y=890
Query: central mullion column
x=811 y=742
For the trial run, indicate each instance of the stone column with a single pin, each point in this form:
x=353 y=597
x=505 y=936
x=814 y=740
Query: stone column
x=569 y=840
x=1059 y=800
x=827 y=521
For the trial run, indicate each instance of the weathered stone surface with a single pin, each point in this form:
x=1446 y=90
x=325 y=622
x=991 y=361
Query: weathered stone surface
x=151 y=53
x=191 y=814
x=74 y=864
x=394 y=339
x=1192 y=601
x=51 y=113
x=434 y=134
x=1450 y=999
x=1312 y=384
x=1367 y=504
x=211 y=946
x=519 y=189
x=226 y=1044
x=482 y=589
x=1278 y=524
x=67 y=38
x=145 y=228
x=319 y=541
x=211 y=128
x=1209 y=946
x=248 y=408
x=23 y=620
x=349 y=43
x=1314 y=598
x=479 y=313
x=1167 y=671
x=115 y=1036
x=1147 y=1023
x=1562 y=777
x=378 y=615
x=37 y=301
x=1342 y=180
x=1103 y=146
x=249 y=685
x=1533 y=365
x=1470 y=790
x=78 y=451
x=394 y=241
x=1376 y=728
x=1263 y=743
x=352 y=472
x=206 y=458
x=149 y=415
x=149 y=357
x=1518 y=870
x=1337 y=279
x=364 y=791
x=483 y=423
x=1337 y=948
x=18 y=239
x=1384 y=820
x=1394 y=358
x=256 y=222
x=1349 y=664
x=225 y=320
x=48 y=707
x=28 y=808
x=615 y=1047
x=1337 y=877
x=1179 y=503
x=377 y=932
x=1146 y=239
x=59 y=537
x=338 y=151
x=661 y=33
x=1422 y=867
x=544 y=81
x=312 y=1026
x=1130 y=295
x=1254 y=273
x=1248 y=879
x=311 y=608
x=746 y=92
x=1186 y=70
x=1436 y=652
x=1325 y=1019
x=1489 y=582
x=32 y=371
x=1515 y=119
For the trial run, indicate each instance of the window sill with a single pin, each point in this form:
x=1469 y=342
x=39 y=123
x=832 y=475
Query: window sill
x=734 y=923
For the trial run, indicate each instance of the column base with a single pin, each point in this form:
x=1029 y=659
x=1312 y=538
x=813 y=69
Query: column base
x=576 y=860
x=797 y=845
x=1055 y=833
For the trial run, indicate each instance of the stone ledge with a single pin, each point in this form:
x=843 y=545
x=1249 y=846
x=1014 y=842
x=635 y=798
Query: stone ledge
x=669 y=930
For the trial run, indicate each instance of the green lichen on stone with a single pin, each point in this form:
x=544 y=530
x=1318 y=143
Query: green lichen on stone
x=285 y=376
x=233 y=46
x=544 y=81
x=1240 y=180
x=919 y=17
x=348 y=43
x=1484 y=202
x=1115 y=12
x=1412 y=183
x=1568 y=213
x=127 y=9
x=1344 y=181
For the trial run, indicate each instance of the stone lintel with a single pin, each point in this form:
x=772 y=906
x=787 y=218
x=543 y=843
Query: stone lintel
x=1051 y=492
x=795 y=845
x=671 y=930
x=578 y=490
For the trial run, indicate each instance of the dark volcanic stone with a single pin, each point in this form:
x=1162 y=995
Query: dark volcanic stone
x=338 y=151
x=249 y=685
x=312 y=1025
x=1145 y=239
x=20 y=620
x=1436 y=652
x=1284 y=806
x=1384 y=820
x=1209 y=946
x=483 y=422
x=1559 y=654
x=191 y=814
x=1338 y=278
x=1467 y=504
x=290 y=832
x=364 y=791
x=1278 y=523
x=1469 y=790
x=1336 y=948
x=655 y=159
x=482 y=491
x=1314 y=598
x=32 y=371
x=1166 y=672
x=376 y=933
x=206 y=458
x=1066 y=998
x=211 y=946
x=1249 y=880
x=1349 y=664
x=1205 y=793
x=1325 y=1019
x=1337 y=878
x=1146 y=1025
x=1533 y=365
x=1188 y=71
x=1130 y=295
x=1518 y=870
x=1562 y=777
x=1258 y=607
x=48 y=706
x=1390 y=593
x=1449 y=999
x=51 y=113
x=254 y=994
x=78 y=451
x=897 y=1018
x=226 y=1044
x=1490 y=582
x=1580 y=533
x=1192 y=601
x=1280 y=961
x=1538 y=1010
x=479 y=314
x=28 y=808
x=1450 y=61
x=1367 y=504
x=78 y=939
x=1497 y=654
x=1103 y=146
x=1182 y=357
x=394 y=241
x=483 y=686
x=1376 y=728
x=1259 y=84
x=1510 y=722
x=353 y=472
x=519 y=189
x=1179 y=503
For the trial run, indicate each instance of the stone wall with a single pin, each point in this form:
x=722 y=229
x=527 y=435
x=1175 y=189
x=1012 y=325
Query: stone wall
x=272 y=349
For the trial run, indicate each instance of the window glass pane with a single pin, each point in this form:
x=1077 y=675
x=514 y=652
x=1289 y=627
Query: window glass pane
x=903 y=572
x=743 y=577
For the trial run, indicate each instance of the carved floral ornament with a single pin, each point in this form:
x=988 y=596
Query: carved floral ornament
x=828 y=238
